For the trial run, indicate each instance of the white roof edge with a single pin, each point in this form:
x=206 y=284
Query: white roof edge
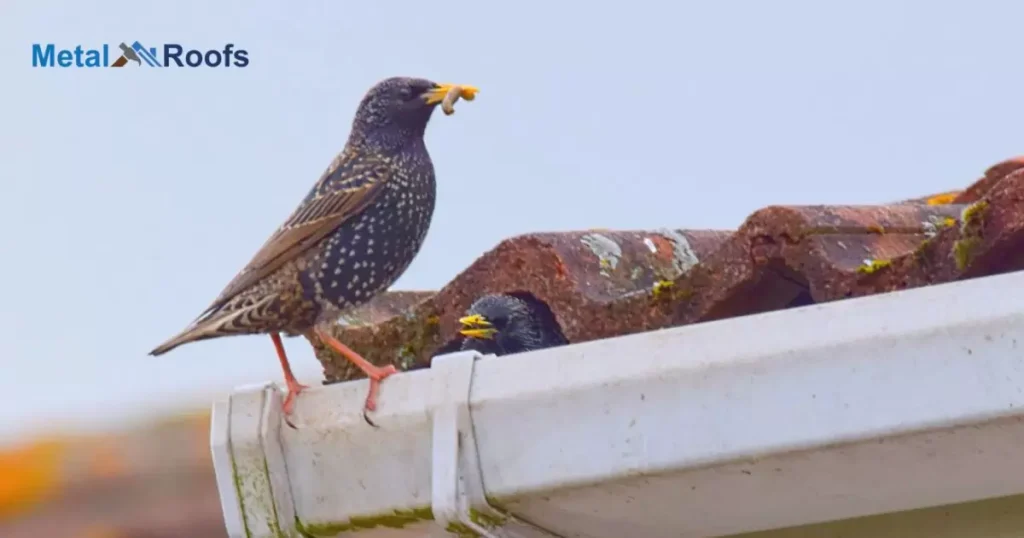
x=755 y=410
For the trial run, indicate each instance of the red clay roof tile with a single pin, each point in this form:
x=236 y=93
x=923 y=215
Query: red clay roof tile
x=600 y=284
x=993 y=175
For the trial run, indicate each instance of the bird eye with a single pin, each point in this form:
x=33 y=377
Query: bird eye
x=406 y=92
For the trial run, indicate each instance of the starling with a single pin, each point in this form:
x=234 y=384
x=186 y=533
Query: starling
x=505 y=324
x=351 y=237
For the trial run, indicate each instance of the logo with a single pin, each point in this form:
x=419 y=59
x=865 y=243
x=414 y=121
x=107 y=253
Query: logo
x=172 y=55
x=136 y=53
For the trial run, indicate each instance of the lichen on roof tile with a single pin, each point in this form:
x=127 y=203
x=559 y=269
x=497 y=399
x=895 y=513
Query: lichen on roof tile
x=575 y=274
x=602 y=283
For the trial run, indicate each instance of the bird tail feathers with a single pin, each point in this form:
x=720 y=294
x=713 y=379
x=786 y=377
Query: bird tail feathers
x=214 y=325
x=195 y=333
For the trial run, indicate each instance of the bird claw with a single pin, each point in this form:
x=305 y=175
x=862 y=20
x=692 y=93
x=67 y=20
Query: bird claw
x=376 y=376
x=294 y=388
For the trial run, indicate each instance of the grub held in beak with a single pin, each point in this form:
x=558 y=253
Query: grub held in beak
x=437 y=94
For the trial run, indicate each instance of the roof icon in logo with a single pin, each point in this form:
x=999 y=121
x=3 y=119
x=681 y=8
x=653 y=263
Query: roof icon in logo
x=136 y=53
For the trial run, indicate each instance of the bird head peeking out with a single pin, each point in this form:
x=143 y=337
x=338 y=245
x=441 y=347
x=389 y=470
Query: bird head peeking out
x=504 y=324
x=395 y=111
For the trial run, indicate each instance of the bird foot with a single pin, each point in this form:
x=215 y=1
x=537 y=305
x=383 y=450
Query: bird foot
x=377 y=375
x=294 y=388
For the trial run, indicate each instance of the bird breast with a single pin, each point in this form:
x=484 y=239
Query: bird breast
x=371 y=250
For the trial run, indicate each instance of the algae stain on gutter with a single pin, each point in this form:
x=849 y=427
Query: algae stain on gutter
x=241 y=498
x=397 y=520
x=394 y=520
x=275 y=524
x=461 y=531
x=484 y=520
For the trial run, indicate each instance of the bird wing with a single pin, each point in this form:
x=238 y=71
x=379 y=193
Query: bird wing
x=348 y=185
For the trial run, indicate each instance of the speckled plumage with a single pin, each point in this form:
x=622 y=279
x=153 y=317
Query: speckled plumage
x=518 y=326
x=353 y=235
x=366 y=255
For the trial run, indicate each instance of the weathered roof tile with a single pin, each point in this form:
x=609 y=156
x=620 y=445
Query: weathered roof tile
x=572 y=273
x=602 y=283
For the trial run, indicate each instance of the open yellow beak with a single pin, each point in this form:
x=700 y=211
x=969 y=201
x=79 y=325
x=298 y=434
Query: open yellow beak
x=476 y=326
x=437 y=94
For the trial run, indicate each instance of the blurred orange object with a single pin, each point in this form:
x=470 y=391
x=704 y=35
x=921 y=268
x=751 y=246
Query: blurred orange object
x=31 y=475
x=150 y=479
x=944 y=198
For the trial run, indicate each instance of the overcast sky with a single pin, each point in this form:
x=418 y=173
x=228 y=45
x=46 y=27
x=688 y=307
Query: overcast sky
x=130 y=197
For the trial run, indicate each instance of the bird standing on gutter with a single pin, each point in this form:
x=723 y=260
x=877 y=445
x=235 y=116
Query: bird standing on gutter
x=353 y=235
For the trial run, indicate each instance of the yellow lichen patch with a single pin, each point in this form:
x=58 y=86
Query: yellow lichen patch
x=972 y=222
x=876 y=229
x=963 y=251
x=872 y=266
x=667 y=291
x=661 y=288
x=972 y=214
x=944 y=198
x=31 y=475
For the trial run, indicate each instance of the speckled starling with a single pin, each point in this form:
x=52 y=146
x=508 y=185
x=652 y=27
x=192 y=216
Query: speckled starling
x=504 y=324
x=351 y=237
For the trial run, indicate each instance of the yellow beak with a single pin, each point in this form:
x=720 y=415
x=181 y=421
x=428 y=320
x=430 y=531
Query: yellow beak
x=476 y=326
x=437 y=94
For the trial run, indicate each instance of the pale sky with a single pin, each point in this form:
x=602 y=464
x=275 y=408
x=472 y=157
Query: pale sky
x=131 y=196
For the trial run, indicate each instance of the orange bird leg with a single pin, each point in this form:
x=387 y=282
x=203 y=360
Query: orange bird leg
x=375 y=373
x=294 y=387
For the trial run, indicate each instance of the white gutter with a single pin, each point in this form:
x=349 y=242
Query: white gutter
x=864 y=406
